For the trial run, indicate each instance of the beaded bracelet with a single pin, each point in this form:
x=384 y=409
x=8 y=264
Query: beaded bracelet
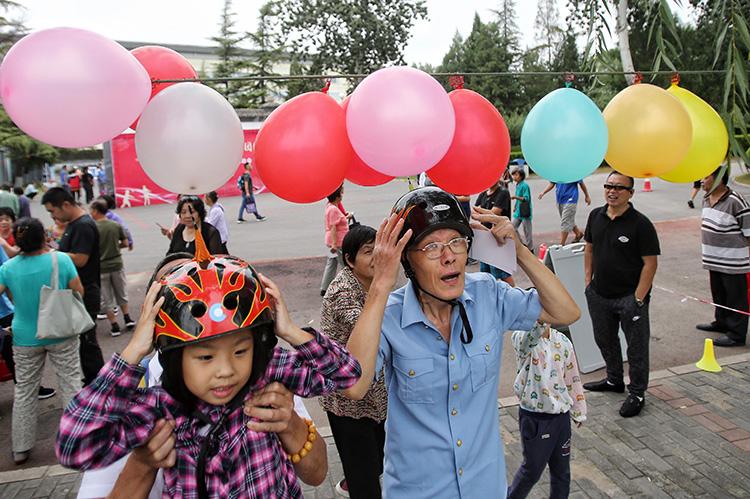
x=312 y=435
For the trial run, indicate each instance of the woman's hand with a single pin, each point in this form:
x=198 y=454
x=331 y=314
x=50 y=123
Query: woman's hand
x=502 y=229
x=285 y=328
x=272 y=407
x=142 y=340
x=158 y=451
x=388 y=250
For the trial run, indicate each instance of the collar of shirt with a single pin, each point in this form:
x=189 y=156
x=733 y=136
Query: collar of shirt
x=413 y=313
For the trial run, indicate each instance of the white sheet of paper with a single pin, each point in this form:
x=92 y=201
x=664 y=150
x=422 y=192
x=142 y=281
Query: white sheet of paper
x=486 y=249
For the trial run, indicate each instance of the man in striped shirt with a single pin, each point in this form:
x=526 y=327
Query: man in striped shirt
x=725 y=233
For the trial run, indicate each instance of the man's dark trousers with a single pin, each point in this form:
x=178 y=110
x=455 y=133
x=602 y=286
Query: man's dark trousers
x=89 y=350
x=607 y=316
x=730 y=290
x=546 y=440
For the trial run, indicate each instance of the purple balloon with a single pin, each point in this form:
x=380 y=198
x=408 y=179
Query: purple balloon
x=72 y=88
x=400 y=121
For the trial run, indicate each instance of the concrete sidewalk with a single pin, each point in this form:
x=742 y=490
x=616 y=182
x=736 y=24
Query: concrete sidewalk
x=691 y=440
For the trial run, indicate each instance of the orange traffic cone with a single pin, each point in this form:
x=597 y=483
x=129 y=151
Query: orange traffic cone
x=708 y=361
x=647 y=185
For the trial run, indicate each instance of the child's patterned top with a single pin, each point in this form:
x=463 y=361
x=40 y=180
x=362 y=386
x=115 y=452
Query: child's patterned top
x=547 y=379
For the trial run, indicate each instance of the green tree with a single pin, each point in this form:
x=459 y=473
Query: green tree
x=507 y=21
x=268 y=51
x=231 y=62
x=548 y=31
x=349 y=36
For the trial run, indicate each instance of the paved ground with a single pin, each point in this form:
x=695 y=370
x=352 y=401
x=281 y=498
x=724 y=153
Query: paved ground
x=692 y=440
x=288 y=248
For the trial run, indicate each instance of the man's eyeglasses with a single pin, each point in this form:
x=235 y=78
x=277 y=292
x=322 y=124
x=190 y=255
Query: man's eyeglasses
x=616 y=187
x=458 y=246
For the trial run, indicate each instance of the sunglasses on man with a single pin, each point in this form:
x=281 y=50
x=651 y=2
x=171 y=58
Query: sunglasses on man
x=617 y=188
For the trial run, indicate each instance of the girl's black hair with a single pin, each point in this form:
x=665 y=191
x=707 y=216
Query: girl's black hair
x=358 y=236
x=8 y=212
x=335 y=194
x=172 y=380
x=195 y=202
x=110 y=200
x=29 y=234
x=521 y=172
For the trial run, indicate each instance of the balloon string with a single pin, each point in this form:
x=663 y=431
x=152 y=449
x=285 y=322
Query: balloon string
x=327 y=86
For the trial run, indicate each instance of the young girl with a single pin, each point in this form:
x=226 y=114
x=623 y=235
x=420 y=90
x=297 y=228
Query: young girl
x=549 y=389
x=215 y=334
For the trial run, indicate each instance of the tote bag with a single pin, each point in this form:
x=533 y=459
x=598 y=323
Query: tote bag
x=62 y=313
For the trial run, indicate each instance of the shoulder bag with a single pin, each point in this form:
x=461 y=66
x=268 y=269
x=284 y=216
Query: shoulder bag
x=62 y=313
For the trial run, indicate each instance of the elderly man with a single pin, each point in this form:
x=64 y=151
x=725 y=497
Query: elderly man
x=725 y=232
x=620 y=263
x=439 y=339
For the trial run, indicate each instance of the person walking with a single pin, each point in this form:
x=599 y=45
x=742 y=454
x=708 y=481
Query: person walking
x=245 y=183
x=620 y=261
x=566 y=195
x=74 y=181
x=87 y=182
x=497 y=200
x=522 y=211
x=81 y=242
x=725 y=232
x=217 y=218
x=24 y=204
x=23 y=276
x=358 y=426
x=439 y=340
x=336 y=227
x=113 y=280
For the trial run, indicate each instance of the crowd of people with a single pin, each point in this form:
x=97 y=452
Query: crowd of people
x=408 y=377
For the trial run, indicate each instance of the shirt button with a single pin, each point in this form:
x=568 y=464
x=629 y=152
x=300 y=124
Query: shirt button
x=454 y=412
x=486 y=348
x=411 y=372
x=460 y=471
x=453 y=357
x=455 y=386
x=459 y=442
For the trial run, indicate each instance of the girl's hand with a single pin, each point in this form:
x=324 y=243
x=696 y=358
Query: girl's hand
x=285 y=328
x=142 y=340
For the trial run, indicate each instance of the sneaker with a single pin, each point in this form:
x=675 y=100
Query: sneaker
x=240 y=220
x=129 y=322
x=101 y=316
x=690 y=203
x=342 y=488
x=604 y=386
x=260 y=218
x=45 y=393
x=632 y=406
x=115 y=331
x=22 y=457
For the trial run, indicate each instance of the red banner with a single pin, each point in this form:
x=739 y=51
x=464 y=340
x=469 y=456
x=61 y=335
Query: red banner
x=133 y=187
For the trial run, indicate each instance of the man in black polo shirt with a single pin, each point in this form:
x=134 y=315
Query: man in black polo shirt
x=81 y=242
x=620 y=263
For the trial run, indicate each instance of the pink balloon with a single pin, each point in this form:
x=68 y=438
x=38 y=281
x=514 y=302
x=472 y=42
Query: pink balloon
x=400 y=121
x=72 y=88
x=359 y=173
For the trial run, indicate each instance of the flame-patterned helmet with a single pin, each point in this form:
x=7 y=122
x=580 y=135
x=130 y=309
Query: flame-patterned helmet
x=210 y=298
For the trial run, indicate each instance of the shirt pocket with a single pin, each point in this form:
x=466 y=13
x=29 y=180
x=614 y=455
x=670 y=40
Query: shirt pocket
x=484 y=359
x=414 y=379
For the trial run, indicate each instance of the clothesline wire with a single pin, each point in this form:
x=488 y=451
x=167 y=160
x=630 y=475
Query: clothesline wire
x=480 y=74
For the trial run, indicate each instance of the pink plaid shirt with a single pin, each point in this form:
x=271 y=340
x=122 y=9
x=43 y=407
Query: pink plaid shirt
x=112 y=416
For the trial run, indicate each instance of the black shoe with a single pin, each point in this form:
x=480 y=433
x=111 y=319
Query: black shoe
x=711 y=328
x=632 y=406
x=45 y=393
x=260 y=218
x=21 y=457
x=690 y=204
x=604 y=386
x=129 y=322
x=726 y=341
x=115 y=331
x=322 y=292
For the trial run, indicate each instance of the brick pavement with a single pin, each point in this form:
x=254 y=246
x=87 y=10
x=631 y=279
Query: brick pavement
x=691 y=440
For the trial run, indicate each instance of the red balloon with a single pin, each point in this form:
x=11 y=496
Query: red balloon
x=302 y=151
x=162 y=63
x=480 y=149
x=358 y=172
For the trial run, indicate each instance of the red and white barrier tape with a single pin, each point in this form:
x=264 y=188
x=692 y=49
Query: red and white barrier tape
x=701 y=300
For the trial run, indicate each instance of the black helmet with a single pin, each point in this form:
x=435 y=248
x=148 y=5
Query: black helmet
x=428 y=209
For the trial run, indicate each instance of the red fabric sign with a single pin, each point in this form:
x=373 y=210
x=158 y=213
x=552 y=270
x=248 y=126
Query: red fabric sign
x=133 y=187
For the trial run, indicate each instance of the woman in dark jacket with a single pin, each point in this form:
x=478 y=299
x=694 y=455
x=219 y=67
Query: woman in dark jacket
x=192 y=212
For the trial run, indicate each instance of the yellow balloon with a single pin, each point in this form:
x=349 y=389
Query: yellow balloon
x=649 y=131
x=710 y=139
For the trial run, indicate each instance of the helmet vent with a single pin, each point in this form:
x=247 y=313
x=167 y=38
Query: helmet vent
x=198 y=310
x=230 y=301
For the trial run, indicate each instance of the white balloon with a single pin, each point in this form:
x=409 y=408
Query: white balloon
x=189 y=139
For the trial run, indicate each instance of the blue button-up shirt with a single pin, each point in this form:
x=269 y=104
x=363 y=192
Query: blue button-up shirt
x=442 y=430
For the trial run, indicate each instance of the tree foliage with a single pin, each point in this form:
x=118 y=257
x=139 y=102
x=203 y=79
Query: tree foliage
x=268 y=50
x=231 y=62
